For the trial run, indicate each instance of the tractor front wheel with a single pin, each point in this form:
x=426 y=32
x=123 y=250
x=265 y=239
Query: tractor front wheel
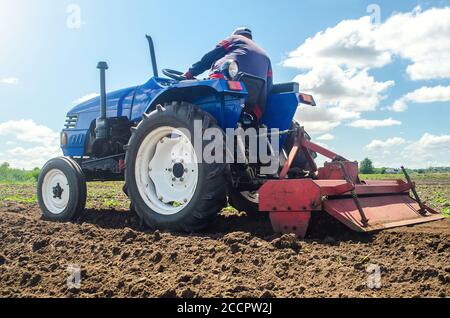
x=61 y=190
x=169 y=187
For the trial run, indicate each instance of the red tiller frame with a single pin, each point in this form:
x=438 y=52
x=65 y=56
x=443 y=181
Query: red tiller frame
x=301 y=143
x=337 y=189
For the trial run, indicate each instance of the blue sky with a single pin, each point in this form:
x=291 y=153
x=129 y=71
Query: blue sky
x=46 y=65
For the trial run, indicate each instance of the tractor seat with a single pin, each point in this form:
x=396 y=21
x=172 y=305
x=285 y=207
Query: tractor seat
x=254 y=87
x=285 y=88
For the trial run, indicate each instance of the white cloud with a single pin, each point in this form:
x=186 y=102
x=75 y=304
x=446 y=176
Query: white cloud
x=420 y=37
x=326 y=137
x=351 y=43
x=319 y=120
x=371 y=124
x=85 y=98
x=335 y=67
x=320 y=113
x=430 y=142
x=319 y=127
x=28 y=131
x=380 y=145
x=429 y=151
x=38 y=144
x=9 y=81
x=341 y=96
x=350 y=90
x=422 y=95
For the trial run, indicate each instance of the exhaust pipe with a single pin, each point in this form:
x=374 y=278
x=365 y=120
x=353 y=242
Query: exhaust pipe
x=101 y=124
x=152 y=55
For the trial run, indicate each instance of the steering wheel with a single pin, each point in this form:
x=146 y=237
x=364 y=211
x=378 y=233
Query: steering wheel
x=176 y=75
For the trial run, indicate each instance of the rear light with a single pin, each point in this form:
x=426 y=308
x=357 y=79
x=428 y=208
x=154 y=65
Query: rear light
x=235 y=86
x=307 y=99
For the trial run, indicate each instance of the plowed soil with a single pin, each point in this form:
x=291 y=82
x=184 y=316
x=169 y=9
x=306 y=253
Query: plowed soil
x=236 y=257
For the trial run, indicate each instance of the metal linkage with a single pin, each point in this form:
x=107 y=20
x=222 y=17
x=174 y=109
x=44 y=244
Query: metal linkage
x=364 y=219
x=423 y=209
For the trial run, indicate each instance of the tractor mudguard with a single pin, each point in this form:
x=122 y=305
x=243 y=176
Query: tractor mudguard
x=213 y=96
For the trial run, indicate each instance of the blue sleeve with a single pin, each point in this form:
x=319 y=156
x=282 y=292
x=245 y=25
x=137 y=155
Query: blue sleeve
x=209 y=58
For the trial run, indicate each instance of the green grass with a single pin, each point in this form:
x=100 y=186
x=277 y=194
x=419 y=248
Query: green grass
x=229 y=209
x=111 y=203
x=439 y=197
x=18 y=199
x=414 y=176
x=29 y=182
x=433 y=188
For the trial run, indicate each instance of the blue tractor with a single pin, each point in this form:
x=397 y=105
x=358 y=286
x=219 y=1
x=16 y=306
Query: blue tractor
x=128 y=135
x=145 y=135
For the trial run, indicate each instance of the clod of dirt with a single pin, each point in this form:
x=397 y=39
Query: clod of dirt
x=156 y=257
x=116 y=250
x=188 y=293
x=197 y=280
x=169 y=293
x=160 y=269
x=35 y=280
x=236 y=237
x=124 y=255
x=2 y=259
x=235 y=248
x=25 y=279
x=156 y=236
x=287 y=241
x=198 y=260
x=185 y=278
x=267 y=294
x=444 y=279
x=269 y=286
x=128 y=236
x=173 y=256
x=37 y=245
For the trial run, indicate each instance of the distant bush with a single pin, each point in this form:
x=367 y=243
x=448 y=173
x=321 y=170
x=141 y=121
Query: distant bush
x=367 y=166
x=8 y=174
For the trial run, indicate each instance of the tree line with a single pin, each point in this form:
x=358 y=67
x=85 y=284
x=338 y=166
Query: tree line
x=8 y=174
x=366 y=167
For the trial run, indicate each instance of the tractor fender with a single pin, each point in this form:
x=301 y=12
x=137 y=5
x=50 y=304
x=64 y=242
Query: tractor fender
x=193 y=92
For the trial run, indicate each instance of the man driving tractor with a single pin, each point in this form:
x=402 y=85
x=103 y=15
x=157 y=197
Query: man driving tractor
x=250 y=58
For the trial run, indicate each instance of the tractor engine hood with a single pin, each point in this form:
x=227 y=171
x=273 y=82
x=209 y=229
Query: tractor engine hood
x=116 y=102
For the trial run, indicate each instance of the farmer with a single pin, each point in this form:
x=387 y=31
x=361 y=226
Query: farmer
x=250 y=57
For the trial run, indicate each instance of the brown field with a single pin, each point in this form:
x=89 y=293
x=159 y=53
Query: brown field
x=236 y=257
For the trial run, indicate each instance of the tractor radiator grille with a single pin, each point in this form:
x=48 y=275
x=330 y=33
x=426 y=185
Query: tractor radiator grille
x=71 y=121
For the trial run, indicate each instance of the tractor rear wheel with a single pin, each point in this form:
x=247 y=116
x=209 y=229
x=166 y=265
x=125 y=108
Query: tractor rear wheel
x=169 y=187
x=61 y=190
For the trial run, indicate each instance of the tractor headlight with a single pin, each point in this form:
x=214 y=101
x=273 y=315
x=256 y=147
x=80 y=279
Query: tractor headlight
x=64 y=139
x=230 y=69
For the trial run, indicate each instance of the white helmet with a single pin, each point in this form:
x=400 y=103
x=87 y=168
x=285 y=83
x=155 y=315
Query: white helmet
x=243 y=31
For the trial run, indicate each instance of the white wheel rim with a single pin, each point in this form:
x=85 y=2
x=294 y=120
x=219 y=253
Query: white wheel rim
x=55 y=191
x=252 y=196
x=166 y=170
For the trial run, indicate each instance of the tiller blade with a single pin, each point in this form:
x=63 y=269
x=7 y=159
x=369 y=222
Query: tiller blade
x=336 y=188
